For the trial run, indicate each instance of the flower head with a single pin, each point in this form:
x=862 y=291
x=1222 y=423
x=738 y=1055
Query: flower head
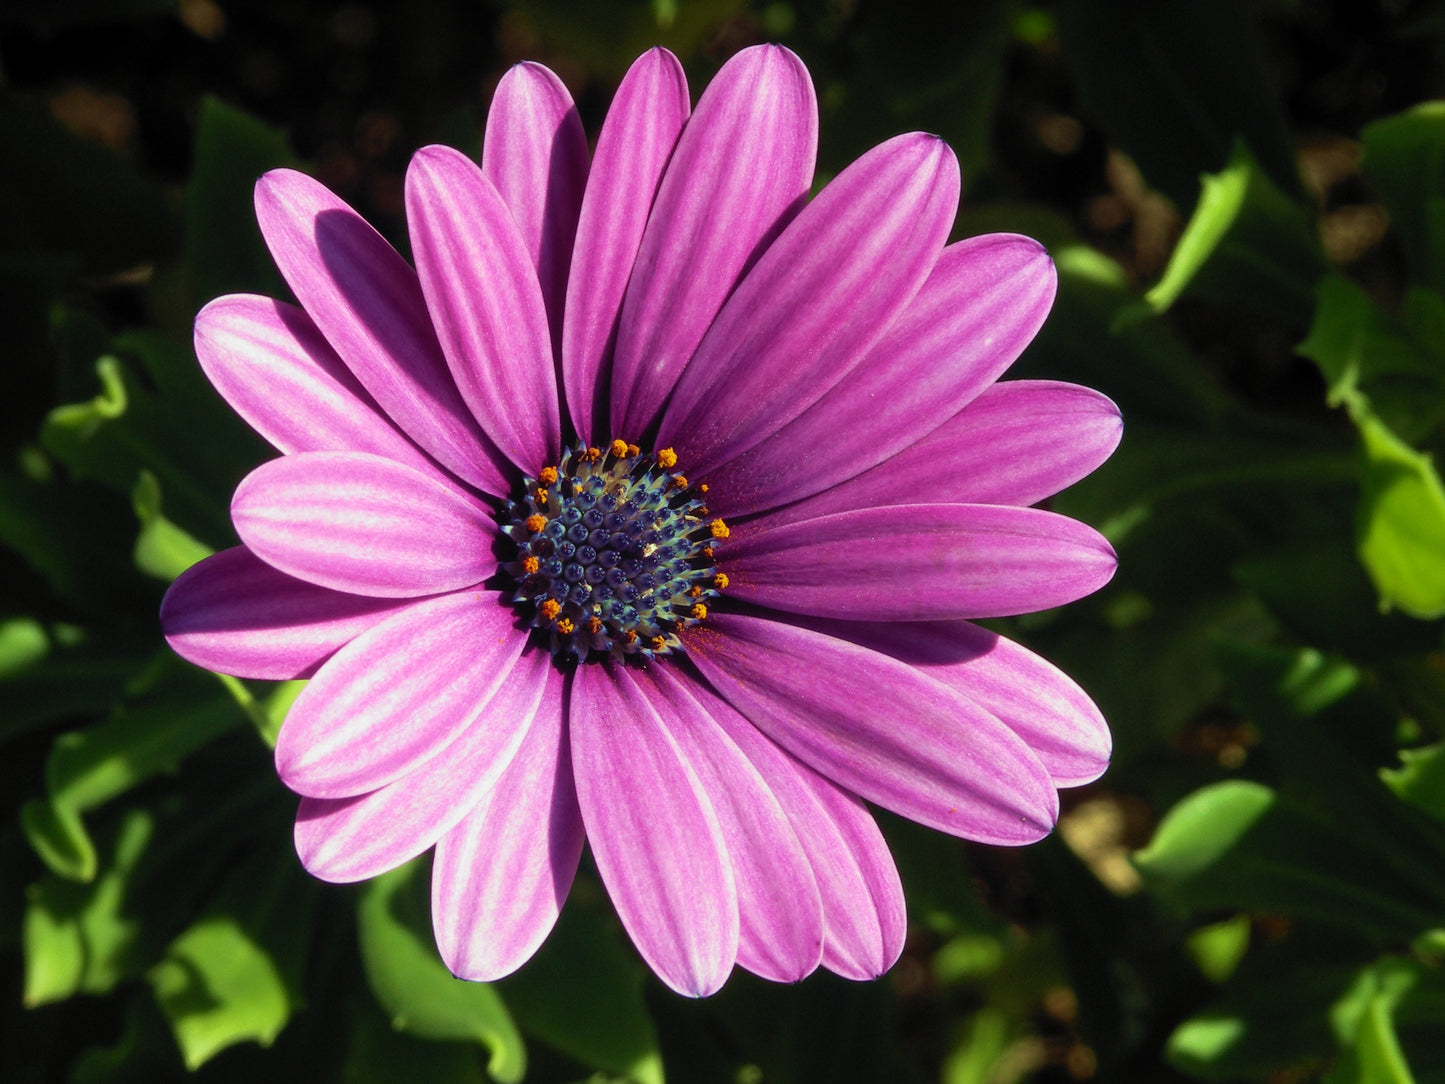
x=647 y=511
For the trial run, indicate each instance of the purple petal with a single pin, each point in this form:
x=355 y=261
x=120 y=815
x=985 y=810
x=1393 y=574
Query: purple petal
x=642 y=126
x=879 y=728
x=278 y=372
x=823 y=294
x=1016 y=444
x=535 y=155
x=780 y=912
x=1031 y=696
x=397 y=695
x=862 y=897
x=984 y=300
x=740 y=172
x=502 y=873
x=368 y=304
x=654 y=834
x=235 y=614
x=363 y=524
x=482 y=290
x=351 y=839
x=919 y=562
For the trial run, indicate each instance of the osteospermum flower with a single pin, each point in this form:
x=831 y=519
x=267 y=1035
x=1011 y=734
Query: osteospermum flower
x=647 y=511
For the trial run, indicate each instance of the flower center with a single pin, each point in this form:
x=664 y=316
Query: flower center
x=614 y=552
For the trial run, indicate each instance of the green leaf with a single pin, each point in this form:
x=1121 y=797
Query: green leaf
x=414 y=987
x=1420 y=779
x=1386 y=998
x=58 y=836
x=1175 y=85
x=218 y=987
x=583 y=994
x=1400 y=529
x=1247 y=243
x=224 y=250
x=162 y=549
x=23 y=643
x=1219 y=947
x=81 y=938
x=1405 y=159
x=1239 y=844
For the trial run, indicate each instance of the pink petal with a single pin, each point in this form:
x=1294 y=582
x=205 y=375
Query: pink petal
x=863 y=911
x=351 y=839
x=879 y=728
x=279 y=373
x=363 y=524
x=535 y=155
x=984 y=300
x=481 y=288
x=918 y=562
x=1031 y=696
x=642 y=126
x=654 y=834
x=397 y=695
x=501 y=875
x=235 y=614
x=779 y=909
x=740 y=172
x=368 y=304
x=1016 y=444
x=818 y=299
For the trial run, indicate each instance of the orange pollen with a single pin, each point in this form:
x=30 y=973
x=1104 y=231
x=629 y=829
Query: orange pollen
x=550 y=609
x=720 y=581
x=658 y=643
x=698 y=611
x=667 y=459
x=633 y=451
x=629 y=636
x=702 y=488
x=548 y=477
x=679 y=481
x=619 y=449
x=707 y=552
x=592 y=455
x=694 y=592
x=542 y=496
x=594 y=624
x=719 y=529
x=535 y=524
x=530 y=565
x=565 y=626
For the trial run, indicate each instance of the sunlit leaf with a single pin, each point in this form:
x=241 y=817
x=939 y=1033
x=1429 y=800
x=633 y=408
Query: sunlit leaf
x=1247 y=243
x=162 y=549
x=58 y=836
x=1420 y=779
x=1401 y=523
x=80 y=938
x=413 y=985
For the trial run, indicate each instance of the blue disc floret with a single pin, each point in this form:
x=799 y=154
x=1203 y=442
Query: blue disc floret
x=614 y=552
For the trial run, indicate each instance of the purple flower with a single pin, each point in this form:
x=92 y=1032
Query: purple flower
x=648 y=510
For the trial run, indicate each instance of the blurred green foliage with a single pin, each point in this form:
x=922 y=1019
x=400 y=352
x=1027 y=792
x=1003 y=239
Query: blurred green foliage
x=1246 y=204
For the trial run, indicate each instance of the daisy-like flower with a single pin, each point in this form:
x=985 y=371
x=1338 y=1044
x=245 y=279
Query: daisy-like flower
x=647 y=511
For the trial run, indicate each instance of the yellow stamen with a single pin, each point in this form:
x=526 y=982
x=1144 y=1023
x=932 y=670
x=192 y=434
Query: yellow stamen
x=658 y=643
x=565 y=626
x=629 y=637
x=707 y=552
x=720 y=581
x=719 y=529
x=698 y=611
x=702 y=488
x=530 y=565
x=594 y=624
x=550 y=609
x=667 y=459
x=619 y=449
x=679 y=481
x=541 y=495
x=633 y=451
x=694 y=592
x=535 y=524
x=548 y=477
x=592 y=455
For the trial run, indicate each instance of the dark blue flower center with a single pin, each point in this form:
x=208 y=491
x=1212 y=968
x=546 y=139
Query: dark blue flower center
x=614 y=552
